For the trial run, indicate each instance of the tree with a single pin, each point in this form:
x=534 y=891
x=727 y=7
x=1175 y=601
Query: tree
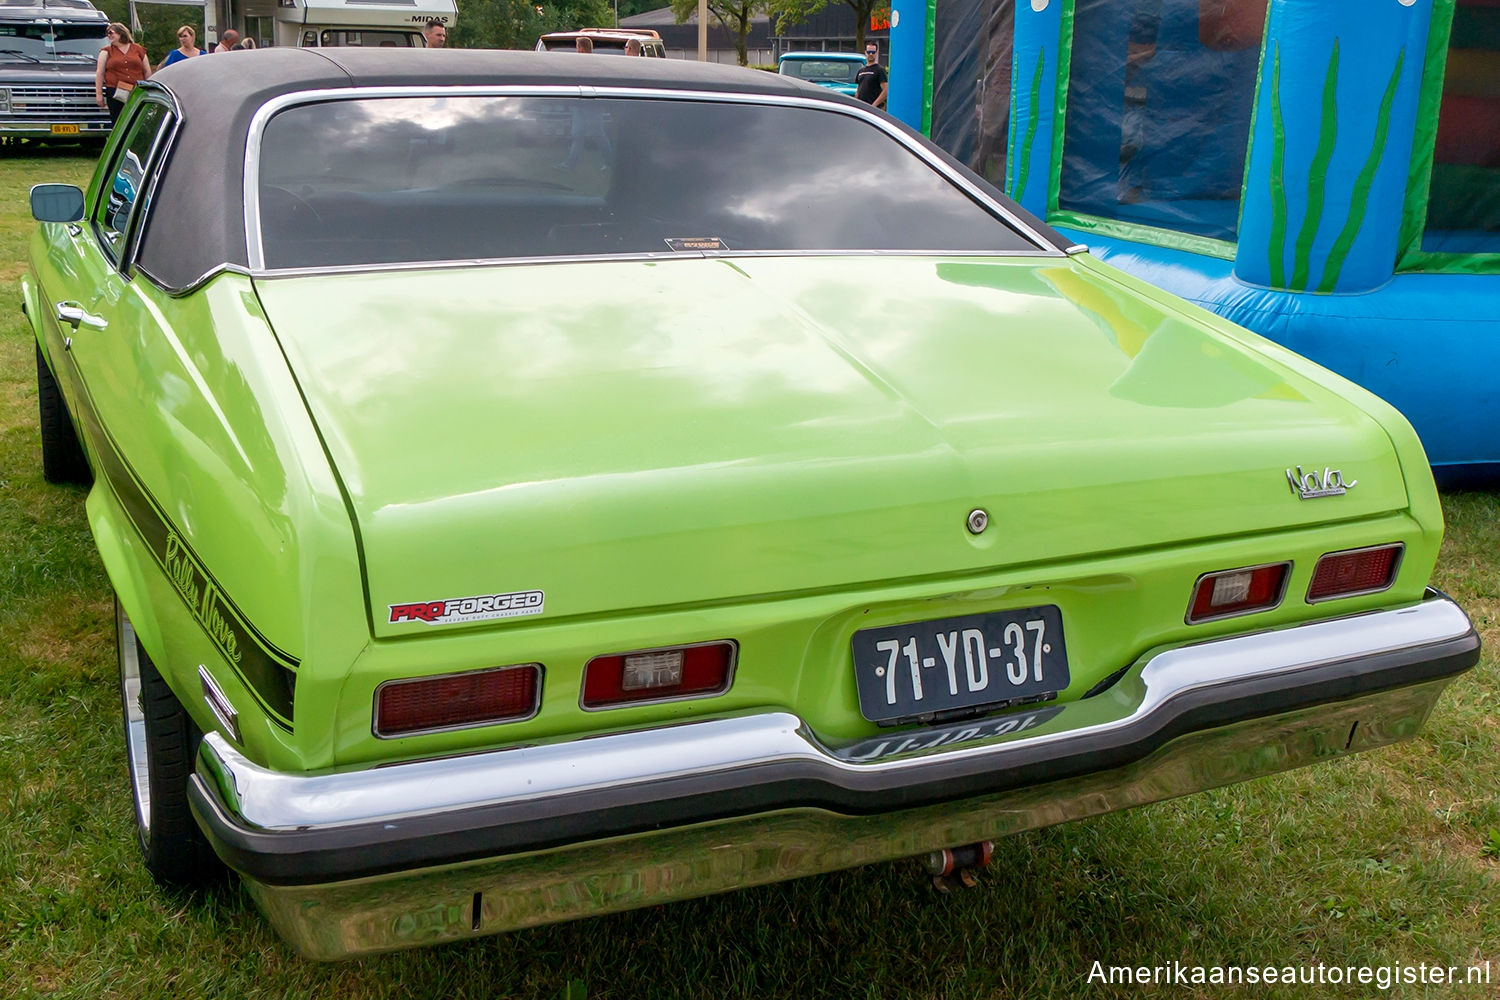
x=795 y=11
x=517 y=24
x=629 y=7
x=733 y=15
x=159 y=24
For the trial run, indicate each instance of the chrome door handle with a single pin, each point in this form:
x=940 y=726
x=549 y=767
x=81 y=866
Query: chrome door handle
x=74 y=314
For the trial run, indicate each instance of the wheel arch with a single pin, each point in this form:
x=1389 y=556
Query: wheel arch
x=113 y=537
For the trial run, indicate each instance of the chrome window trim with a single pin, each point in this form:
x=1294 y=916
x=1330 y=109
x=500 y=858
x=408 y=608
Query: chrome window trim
x=150 y=173
x=454 y=265
x=160 y=153
x=255 y=247
x=197 y=283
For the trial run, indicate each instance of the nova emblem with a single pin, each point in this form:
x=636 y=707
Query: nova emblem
x=1310 y=485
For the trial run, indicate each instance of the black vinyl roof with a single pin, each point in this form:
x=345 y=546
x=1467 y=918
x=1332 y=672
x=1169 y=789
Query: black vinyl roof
x=197 y=216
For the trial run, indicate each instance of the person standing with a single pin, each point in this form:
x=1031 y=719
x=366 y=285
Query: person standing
x=227 y=41
x=871 y=82
x=583 y=43
x=121 y=65
x=633 y=47
x=187 y=47
x=435 y=34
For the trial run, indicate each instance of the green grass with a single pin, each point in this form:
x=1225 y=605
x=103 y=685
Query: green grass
x=1381 y=858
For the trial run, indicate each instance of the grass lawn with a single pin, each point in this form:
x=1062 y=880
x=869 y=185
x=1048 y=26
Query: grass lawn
x=1382 y=858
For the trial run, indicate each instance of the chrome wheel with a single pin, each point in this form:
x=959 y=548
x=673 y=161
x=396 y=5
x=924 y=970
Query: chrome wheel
x=136 y=757
x=161 y=744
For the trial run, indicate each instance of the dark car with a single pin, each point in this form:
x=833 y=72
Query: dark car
x=47 y=54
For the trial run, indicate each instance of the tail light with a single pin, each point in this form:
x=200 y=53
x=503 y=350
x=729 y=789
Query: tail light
x=696 y=671
x=1238 y=592
x=1357 y=571
x=453 y=701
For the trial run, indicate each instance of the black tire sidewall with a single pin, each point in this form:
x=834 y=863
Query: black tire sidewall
x=63 y=460
x=172 y=846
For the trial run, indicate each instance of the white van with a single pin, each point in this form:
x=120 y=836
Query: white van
x=322 y=23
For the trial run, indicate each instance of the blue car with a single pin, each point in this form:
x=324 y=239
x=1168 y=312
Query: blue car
x=834 y=70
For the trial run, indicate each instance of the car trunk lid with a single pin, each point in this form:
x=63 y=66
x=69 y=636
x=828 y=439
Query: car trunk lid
x=646 y=434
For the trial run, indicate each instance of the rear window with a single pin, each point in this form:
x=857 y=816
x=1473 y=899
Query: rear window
x=409 y=179
x=822 y=70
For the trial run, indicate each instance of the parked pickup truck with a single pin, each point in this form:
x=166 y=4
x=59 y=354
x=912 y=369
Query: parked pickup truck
x=47 y=54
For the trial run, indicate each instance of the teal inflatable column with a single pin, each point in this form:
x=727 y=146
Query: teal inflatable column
x=1335 y=115
x=1035 y=138
x=911 y=34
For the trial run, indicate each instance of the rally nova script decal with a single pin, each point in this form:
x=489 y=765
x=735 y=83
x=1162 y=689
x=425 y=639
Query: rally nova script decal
x=470 y=609
x=202 y=597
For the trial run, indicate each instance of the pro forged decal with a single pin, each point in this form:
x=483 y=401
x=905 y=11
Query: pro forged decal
x=470 y=609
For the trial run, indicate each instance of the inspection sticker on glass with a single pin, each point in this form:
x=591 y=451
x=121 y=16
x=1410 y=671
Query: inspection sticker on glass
x=688 y=244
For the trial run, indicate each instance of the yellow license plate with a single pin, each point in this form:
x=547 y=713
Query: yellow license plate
x=65 y=130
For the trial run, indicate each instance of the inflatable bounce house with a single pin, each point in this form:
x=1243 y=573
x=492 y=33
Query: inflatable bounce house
x=1324 y=172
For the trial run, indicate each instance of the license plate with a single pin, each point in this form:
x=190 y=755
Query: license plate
x=906 y=671
x=65 y=130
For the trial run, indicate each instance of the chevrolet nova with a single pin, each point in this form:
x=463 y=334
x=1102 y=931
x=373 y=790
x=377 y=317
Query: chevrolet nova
x=531 y=490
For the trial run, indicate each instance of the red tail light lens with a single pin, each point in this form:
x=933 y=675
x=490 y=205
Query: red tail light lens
x=696 y=671
x=1357 y=571
x=1238 y=592
x=475 y=698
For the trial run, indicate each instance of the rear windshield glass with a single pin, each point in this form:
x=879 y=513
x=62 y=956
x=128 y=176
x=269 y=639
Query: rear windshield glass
x=385 y=180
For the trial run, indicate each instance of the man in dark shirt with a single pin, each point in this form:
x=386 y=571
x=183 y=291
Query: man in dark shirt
x=871 y=83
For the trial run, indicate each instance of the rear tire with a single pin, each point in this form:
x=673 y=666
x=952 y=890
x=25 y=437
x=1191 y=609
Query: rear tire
x=161 y=746
x=63 y=460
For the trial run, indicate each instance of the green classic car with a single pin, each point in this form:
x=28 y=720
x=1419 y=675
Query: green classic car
x=532 y=490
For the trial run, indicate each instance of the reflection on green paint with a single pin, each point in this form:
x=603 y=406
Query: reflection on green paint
x=1327 y=138
x=1031 y=124
x=1362 y=184
x=1278 y=178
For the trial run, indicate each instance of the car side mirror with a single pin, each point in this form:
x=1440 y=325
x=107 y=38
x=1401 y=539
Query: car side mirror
x=56 y=203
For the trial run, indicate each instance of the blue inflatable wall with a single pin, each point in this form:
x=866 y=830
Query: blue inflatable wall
x=1324 y=172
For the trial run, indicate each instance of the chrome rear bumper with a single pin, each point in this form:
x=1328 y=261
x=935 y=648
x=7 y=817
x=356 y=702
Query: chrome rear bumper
x=355 y=862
